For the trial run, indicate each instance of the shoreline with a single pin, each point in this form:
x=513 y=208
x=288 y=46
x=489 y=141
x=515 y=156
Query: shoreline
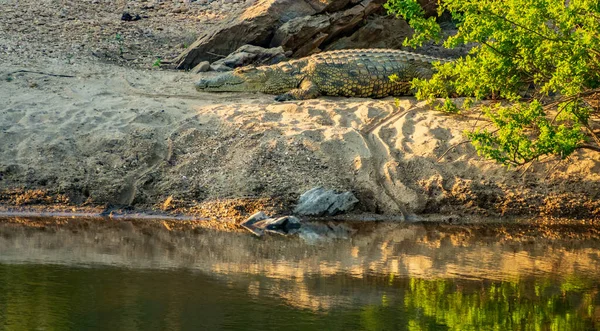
x=95 y=134
x=517 y=230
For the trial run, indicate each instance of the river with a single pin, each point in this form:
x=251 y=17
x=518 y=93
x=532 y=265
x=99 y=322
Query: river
x=389 y=277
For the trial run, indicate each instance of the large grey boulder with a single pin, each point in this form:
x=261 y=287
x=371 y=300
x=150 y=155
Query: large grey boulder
x=255 y=25
x=315 y=23
x=321 y=202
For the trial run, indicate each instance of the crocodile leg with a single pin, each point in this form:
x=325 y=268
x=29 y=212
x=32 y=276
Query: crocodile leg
x=307 y=90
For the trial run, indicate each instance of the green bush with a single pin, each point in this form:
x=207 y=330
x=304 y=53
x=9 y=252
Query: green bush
x=536 y=61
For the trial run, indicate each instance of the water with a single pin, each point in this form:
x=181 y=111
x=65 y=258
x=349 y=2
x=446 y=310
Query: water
x=392 y=277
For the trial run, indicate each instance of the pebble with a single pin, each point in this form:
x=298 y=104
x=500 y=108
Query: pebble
x=201 y=67
x=129 y=17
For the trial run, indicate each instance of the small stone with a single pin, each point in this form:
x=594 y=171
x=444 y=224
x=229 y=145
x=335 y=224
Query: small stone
x=220 y=67
x=128 y=17
x=181 y=9
x=249 y=54
x=201 y=67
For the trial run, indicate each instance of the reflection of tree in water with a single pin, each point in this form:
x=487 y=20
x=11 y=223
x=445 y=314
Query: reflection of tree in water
x=54 y=297
x=529 y=304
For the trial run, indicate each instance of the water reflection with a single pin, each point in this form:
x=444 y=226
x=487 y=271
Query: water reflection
x=391 y=277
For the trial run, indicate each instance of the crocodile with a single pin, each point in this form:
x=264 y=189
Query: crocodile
x=350 y=73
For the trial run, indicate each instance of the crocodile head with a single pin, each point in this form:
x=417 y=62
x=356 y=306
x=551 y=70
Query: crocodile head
x=247 y=79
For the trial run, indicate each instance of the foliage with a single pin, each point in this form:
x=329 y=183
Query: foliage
x=157 y=63
x=119 y=40
x=536 y=62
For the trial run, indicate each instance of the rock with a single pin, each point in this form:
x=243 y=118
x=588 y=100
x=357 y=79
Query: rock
x=312 y=46
x=265 y=55
x=249 y=54
x=429 y=7
x=298 y=32
x=220 y=67
x=255 y=25
x=237 y=59
x=259 y=223
x=294 y=25
x=321 y=202
x=346 y=21
x=304 y=35
x=282 y=225
x=379 y=32
x=128 y=17
x=201 y=67
x=327 y=5
x=258 y=216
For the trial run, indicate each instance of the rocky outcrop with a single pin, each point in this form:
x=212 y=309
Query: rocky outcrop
x=305 y=35
x=255 y=26
x=302 y=31
x=299 y=26
x=379 y=32
x=249 y=54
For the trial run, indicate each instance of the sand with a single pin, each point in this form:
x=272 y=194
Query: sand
x=114 y=133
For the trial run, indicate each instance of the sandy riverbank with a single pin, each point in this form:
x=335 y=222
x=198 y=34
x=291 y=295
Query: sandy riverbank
x=123 y=134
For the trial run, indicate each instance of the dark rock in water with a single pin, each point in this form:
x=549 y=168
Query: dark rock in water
x=128 y=17
x=311 y=232
x=249 y=54
x=282 y=225
x=259 y=216
x=259 y=223
x=321 y=202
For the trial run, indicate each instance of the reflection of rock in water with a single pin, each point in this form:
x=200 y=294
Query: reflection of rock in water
x=320 y=276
